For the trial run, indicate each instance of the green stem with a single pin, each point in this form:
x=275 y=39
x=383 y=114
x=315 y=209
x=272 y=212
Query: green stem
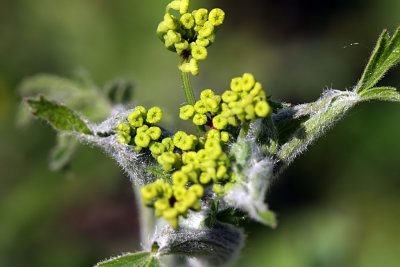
x=187 y=88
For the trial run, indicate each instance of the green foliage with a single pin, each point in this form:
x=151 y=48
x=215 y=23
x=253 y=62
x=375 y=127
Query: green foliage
x=140 y=259
x=60 y=117
x=381 y=93
x=385 y=55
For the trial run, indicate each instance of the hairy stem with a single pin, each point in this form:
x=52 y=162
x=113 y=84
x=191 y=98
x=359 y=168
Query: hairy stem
x=323 y=114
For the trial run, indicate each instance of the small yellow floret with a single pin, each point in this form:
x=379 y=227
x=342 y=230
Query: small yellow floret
x=262 y=109
x=199 y=119
x=216 y=16
x=187 y=21
x=154 y=115
x=186 y=112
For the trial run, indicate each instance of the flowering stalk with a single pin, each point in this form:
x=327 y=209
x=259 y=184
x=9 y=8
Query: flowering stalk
x=196 y=188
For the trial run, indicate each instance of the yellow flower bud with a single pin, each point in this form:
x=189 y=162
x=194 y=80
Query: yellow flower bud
x=123 y=127
x=181 y=207
x=200 y=16
x=175 y=5
x=229 y=96
x=221 y=171
x=218 y=189
x=170 y=21
x=154 y=132
x=123 y=138
x=216 y=16
x=198 y=52
x=191 y=66
x=262 y=109
x=172 y=38
x=135 y=122
x=162 y=27
x=142 y=139
x=187 y=168
x=219 y=122
x=190 y=199
x=179 y=138
x=143 y=129
x=154 y=115
x=142 y=110
x=225 y=136
x=168 y=144
x=183 y=45
x=189 y=157
x=200 y=107
x=248 y=81
x=212 y=105
x=187 y=20
x=199 y=119
x=184 y=6
x=149 y=191
x=156 y=148
x=179 y=192
x=204 y=42
x=179 y=178
x=213 y=134
x=170 y=213
x=162 y=204
x=186 y=112
x=197 y=189
x=206 y=30
x=237 y=84
x=205 y=178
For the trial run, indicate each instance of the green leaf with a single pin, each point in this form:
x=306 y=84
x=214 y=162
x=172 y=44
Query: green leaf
x=81 y=95
x=63 y=151
x=385 y=55
x=58 y=116
x=140 y=259
x=381 y=93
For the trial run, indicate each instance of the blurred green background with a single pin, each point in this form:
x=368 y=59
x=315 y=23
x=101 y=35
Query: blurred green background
x=338 y=205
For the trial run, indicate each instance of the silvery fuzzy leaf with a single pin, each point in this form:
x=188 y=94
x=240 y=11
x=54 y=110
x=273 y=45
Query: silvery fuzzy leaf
x=216 y=246
x=253 y=174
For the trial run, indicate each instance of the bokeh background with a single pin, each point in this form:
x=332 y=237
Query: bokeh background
x=338 y=205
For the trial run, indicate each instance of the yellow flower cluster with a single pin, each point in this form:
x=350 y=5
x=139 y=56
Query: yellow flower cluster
x=139 y=130
x=243 y=102
x=190 y=34
x=201 y=163
x=193 y=163
x=171 y=201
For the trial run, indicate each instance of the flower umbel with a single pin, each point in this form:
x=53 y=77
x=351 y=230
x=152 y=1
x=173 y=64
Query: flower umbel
x=194 y=164
x=191 y=34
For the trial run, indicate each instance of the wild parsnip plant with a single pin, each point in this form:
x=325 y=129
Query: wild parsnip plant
x=195 y=189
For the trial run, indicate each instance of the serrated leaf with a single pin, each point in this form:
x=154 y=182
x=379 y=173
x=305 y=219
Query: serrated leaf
x=58 y=116
x=385 y=55
x=140 y=259
x=381 y=93
x=214 y=246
